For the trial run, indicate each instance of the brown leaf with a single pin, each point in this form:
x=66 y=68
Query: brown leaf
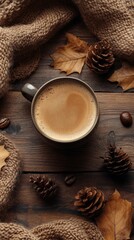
x=70 y=57
x=124 y=76
x=115 y=222
x=3 y=156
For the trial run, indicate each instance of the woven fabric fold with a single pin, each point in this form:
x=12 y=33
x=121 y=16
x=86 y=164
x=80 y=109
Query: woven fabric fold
x=27 y=24
x=9 y=173
x=71 y=229
x=112 y=20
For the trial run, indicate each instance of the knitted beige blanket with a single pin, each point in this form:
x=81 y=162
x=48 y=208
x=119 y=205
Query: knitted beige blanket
x=8 y=174
x=26 y=24
x=72 y=229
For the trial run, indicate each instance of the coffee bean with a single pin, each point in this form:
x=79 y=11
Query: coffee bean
x=126 y=119
x=4 y=122
x=69 y=180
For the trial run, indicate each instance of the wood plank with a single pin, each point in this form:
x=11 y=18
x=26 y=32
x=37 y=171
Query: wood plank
x=29 y=210
x=45 y=72
x=39 y=156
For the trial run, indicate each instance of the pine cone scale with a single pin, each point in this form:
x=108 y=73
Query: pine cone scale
x=117 y=161
x=101 y=67
x=100 y=57
x=44 y=186
x=94 y=208
x=89 y=201
x=98 y=197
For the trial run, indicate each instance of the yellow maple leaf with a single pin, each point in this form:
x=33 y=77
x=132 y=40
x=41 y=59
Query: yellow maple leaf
x=124 y=76
x=70 y=57
x=3 y=156
x=115 y=222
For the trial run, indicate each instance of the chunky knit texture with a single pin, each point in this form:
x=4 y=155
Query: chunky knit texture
x=72 y=229
x=112 y=20
x=9 y=173
x=27 y=24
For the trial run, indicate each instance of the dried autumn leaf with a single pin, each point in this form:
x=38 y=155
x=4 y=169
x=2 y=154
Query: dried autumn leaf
x=70 y=57
x=115 y=222
x=3 y=156
x=124 y=76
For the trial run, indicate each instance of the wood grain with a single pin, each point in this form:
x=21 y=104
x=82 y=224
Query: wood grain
x=30 y=210
x=45 y=72
x=37 y=155
x=84 y=162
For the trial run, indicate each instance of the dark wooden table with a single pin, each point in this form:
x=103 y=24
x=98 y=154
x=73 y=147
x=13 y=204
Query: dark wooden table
x=85 y=162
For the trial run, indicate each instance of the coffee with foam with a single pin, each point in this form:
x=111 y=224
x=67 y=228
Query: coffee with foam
x=65 y=110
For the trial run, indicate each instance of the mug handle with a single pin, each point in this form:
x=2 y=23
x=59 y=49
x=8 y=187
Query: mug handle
x=28 y=91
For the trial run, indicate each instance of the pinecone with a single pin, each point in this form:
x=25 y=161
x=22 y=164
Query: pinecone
x=100 y=57
x=45 y=186
x=89 y=201
x=117 y=161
